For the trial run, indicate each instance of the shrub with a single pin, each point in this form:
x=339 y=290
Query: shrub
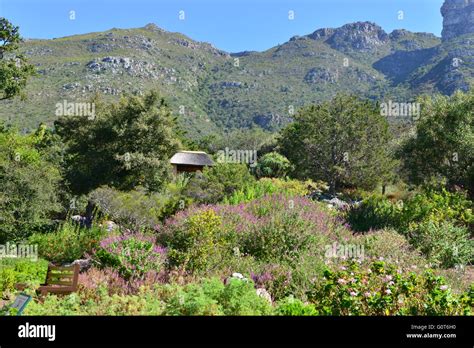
x=375 y=212
x=217 y=182
x=273 y=165
x=379 y=288
x=436 y=222
x=268 y=186
x=211 y=297
x=28 y=272
x=131 y=210
x=443 y=243
x=30 y=184
x=103 y=304
x=439 y=205
x=275 y=236
x=195 y=243
x=94 y=279
x=68 y=243
x=133 y=255
x=196 y=299
x=391 y=246
x=240 y=298
x=282 y=229
x=295 y=307
x=378 y=212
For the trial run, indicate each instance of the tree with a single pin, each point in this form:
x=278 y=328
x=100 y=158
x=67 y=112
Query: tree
x=343 y=142
x=217 y=182
x=127 y=144
x=29 y=186
x=442 y=147
x=273 y=165
x=238 y=139
x=14 y=68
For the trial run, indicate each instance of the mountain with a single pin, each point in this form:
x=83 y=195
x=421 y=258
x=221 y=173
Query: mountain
x=211 y=89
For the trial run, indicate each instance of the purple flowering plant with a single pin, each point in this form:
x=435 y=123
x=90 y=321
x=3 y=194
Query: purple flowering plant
x=132 y=254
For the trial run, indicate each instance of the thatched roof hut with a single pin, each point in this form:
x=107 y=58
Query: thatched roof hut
x=190 y=161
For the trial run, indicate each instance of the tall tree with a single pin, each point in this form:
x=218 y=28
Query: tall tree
x=14 y=68
x=343 y=142
x=29 y=185
x=126 y=144
x=443 y=144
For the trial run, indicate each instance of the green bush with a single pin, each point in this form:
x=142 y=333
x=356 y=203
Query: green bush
x=28 y=272
x=268 y=186
x=444 y=244
x=68 y=243
x=211 y=297
x=131 y=210
x=436 y=222
x=283 y=238
x=104 y=304
x=377 y=212
x=196 y=299
x=197 y=244
x=294 y=307
x=30 y=185
x=217 y=182
x=140 y=209
x=273 y=165
x=393 y=247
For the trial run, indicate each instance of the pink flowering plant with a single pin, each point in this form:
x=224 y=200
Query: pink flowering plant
x=133 y=255
x=271 y=229
x=379 y=288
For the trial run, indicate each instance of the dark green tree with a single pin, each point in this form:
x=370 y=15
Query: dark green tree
x=273 y=165
x=29 y=184
x=14 y=68
x=343 y=142
x=125 y=145
x=442 y=147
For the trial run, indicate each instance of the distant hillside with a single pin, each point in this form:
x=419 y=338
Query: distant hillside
x=210 y=89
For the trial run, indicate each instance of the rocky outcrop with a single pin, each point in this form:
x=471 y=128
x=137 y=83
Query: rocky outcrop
x=119 y=65
x=321 y=75
x=359 y=36
x=458 y=18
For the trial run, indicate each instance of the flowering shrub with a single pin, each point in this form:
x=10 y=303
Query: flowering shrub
x=380 y=288
x=94 y=280
x=132 y=254
x=272 y=229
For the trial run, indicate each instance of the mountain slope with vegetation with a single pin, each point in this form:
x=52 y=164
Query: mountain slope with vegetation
x=211 y=89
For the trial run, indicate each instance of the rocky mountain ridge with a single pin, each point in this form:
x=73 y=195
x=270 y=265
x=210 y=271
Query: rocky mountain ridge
x=211 y=89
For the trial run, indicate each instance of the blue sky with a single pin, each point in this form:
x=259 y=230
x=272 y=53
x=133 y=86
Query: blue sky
x=231 y=25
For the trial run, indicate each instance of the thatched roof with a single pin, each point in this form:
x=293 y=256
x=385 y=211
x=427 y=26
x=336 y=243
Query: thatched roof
x=192 y=158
